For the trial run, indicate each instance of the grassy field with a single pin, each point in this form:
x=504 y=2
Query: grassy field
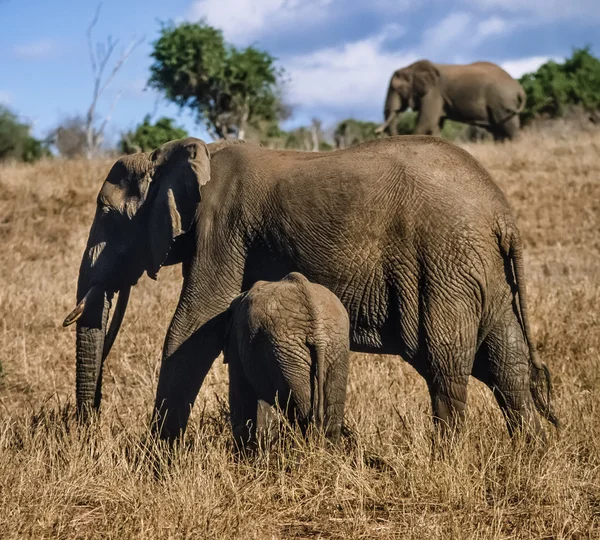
x=57 y=482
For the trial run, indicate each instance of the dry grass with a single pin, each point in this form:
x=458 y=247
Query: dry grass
x=58 y=482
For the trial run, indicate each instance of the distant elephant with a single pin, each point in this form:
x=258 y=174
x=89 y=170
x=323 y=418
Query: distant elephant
x=481 y=94
x=287 y=343
x=410 y=233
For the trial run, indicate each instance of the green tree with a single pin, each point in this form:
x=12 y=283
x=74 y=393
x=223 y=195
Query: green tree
x=228 y=88
x=16 y=141
x=556 y=87
x=147 y=136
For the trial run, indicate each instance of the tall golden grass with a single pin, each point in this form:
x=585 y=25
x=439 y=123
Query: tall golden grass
x=59 y=482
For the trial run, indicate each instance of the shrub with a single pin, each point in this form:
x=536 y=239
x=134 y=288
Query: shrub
x=557 y=87
x=407 y=122
x=147 y=137
x=70 y=137
x=452 y=131
x=350 y=132
x=16 y=141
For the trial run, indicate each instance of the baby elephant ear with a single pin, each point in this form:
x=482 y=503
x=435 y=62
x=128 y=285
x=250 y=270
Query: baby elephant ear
x=180 y=168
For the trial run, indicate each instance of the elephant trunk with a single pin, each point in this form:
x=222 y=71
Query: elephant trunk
x=93 y=342
x=91 y=333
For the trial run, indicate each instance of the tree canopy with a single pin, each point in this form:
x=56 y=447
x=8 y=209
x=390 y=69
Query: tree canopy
x=147 y=136
x=228 y=88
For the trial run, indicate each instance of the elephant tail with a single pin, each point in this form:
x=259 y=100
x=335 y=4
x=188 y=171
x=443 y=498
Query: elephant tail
x=521 y=100
x=541 y=382
x=317 y=355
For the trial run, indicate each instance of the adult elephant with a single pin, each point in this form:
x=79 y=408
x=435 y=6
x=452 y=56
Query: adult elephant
x=481 y=94
x=410 y=233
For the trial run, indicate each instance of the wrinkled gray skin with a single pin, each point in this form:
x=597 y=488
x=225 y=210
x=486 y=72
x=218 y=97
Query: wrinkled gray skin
x=287 y=343
x=481 y=94
x=410 y=233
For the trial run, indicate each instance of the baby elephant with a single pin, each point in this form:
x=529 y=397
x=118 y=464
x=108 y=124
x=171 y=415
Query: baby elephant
x=287 y=344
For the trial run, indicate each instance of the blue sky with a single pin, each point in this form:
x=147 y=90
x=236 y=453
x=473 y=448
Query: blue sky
x=338 y=54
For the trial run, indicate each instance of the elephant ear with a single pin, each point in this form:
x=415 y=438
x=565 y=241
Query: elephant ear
x=425 y=77
x=180 y=168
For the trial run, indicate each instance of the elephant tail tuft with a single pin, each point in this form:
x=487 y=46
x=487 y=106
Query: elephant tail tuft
x=541 y=390
x=540 y=379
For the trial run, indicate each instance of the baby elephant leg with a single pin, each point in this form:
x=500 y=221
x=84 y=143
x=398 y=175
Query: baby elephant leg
x=243 y=405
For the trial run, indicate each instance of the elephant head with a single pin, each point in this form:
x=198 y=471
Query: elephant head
x=407 y=86
x=146 y=202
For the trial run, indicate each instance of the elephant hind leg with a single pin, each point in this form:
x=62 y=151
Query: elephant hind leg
x=512 y=127
x=502 y=363
x=448 y=392
x=449 y=356
x=508 y=129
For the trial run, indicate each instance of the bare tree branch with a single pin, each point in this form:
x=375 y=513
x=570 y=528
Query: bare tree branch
x=126 y=54
x=89 y=36
x=315 y=132
x=100 y=56
x=107 y=118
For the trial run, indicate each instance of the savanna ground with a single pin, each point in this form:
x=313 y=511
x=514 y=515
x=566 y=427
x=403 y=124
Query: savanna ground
x=59 y=482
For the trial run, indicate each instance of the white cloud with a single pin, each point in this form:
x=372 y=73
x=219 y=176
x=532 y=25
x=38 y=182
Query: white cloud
x=449 y=34
x=517 y=68
x=354 y=75
x=494 y=26
x=245 y=20
x=35 y=50
x=5 y=97
x=544 y=10
x=448 y=31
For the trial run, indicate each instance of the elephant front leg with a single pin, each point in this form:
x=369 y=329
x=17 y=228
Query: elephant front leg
x=430 y=115
x=182 y=372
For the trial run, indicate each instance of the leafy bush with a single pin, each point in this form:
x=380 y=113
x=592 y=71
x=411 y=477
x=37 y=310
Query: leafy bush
x=350 y=132
x=407 y=122
x=16 y=141
x=452 y=131
x=554 y=88
x=147 y=137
